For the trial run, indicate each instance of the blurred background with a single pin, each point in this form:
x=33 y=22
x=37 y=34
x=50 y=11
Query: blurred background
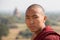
x=12 y=17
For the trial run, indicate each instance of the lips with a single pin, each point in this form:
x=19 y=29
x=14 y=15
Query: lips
x=31 y=27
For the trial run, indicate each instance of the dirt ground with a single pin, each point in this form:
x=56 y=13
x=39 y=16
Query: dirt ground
x=14 y=32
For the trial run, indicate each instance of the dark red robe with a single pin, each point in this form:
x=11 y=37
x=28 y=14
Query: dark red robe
x=47 y=34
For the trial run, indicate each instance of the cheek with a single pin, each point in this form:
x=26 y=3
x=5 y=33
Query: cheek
x=38 y=21
x=27 y=22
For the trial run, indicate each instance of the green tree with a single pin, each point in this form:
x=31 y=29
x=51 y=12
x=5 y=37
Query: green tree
x=48 y=22
x=3 y=30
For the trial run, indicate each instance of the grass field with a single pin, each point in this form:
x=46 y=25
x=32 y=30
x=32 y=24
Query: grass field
x=21 y=27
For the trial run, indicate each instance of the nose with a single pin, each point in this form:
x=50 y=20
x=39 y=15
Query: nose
x=32 y=22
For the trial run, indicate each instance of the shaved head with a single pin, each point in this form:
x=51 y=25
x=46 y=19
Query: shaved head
x=36 y=6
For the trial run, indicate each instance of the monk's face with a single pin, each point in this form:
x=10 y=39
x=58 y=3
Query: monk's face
x=35 y=19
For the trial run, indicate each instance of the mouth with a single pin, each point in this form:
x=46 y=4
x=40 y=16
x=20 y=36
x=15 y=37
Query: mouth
x=31 y=27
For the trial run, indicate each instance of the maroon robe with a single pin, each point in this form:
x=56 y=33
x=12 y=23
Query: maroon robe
x=47 y=34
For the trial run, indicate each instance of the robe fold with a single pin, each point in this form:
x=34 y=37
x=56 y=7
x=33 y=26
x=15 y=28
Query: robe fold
x=47 y=34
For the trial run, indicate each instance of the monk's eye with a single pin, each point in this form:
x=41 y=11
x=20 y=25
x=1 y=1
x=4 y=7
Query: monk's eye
x=35 y=17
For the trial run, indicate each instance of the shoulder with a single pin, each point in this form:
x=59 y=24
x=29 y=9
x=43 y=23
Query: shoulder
x=52 y=37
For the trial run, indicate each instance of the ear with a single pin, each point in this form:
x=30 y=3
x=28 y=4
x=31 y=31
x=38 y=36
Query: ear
x=45 y=18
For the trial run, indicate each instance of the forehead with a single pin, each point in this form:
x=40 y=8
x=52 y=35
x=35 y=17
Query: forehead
x=34 y=11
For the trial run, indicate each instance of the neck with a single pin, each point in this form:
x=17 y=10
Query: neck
x=37 y=32
x=40 y=29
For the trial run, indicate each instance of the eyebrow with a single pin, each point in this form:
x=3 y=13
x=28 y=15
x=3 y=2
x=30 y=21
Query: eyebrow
x=32 y=16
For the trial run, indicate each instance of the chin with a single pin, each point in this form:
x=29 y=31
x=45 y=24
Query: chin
x=33 y=31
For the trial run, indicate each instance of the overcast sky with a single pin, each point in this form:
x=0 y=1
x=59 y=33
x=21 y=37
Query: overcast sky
x=49 y=5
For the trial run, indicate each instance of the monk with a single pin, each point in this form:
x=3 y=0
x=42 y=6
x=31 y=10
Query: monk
x=35 y=19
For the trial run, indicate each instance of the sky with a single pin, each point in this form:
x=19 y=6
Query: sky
x=21 y=5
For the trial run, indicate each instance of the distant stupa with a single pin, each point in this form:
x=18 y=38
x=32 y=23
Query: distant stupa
x=16 y=13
